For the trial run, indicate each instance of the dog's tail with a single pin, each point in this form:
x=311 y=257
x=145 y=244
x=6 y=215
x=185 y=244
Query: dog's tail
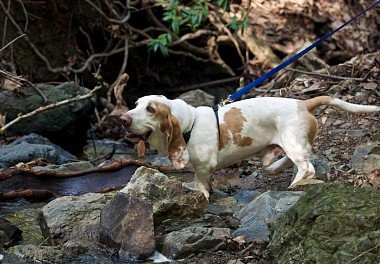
x=311 y=104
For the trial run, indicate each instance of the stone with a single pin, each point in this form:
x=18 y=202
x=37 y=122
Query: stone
x=191 y=240
x=72 y=217
x=331 y=223
x=65 y=125
x=366 y=158
x=169 y=198
x=9 y=233
x=32 y=147
x=321 y=166
x=257 y=216
x=69 y=252
x=198 y=98
x=207 y=220
x=126 y=223
x=246 y=196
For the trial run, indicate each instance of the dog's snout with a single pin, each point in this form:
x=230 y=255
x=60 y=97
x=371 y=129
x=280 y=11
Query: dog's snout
x=126 y=118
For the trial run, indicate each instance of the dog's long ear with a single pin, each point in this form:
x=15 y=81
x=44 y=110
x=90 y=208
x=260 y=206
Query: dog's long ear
x=169 y=125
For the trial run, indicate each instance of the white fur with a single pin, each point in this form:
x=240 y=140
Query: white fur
x=269 y=121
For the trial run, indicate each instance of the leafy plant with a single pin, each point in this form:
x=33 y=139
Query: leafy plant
x=161 y=43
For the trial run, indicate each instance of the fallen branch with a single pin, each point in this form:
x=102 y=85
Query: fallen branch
x=51 y=106
x=10 y=43
x=117 y=164
x=361 y=254
x=29 y=194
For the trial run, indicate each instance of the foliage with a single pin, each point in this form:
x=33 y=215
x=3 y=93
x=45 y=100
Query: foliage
x=191 y=16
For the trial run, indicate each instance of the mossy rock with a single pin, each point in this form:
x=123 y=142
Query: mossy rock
x=333 y=223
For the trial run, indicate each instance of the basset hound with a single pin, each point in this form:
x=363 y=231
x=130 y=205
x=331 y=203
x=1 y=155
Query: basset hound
x=253 y=127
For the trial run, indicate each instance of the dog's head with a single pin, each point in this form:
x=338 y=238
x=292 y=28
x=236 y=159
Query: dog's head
x=152 y=120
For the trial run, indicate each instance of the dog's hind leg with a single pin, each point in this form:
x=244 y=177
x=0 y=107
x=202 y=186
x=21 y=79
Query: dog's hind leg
x=279 y=165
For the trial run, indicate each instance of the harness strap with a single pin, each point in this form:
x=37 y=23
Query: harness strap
x=215 y=108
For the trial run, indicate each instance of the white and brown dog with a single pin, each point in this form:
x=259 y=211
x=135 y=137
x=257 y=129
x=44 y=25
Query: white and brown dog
x=247 y=128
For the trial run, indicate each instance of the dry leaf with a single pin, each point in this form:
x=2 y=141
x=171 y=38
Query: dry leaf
x=141 y=149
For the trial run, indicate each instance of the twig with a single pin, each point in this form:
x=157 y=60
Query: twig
x=10 y=43
x=361 y=254
x=51 y=106
x=111 y=20
x=327 y=75
x=30 y=194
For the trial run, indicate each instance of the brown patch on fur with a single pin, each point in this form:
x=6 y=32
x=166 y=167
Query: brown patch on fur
x=170 y=125
x=313 y=126
x=234 y=122
x=312 y=103
x=311 y=121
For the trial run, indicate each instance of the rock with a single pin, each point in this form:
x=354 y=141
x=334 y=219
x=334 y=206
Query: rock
x=65 y=125
x=126 y=223
x=169 y=198
x=32 y=147
x=257 y=216
x=305 y=184
x=181 y=244
x=207 y=220
x=321 y=166
x=246 y=196
x=9 y=233
x=69 y=252
x=198 y=98
x=67 y=167
x=72 y=217
x=331 y=223
x=366 y=158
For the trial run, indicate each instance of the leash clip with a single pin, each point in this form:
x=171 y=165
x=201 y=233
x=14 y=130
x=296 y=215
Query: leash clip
x=225 y=101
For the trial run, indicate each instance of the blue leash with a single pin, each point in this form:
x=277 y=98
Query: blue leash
x=261 y=79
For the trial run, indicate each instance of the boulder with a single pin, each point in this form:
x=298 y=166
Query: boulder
x=331 y=223
x=65 y=125
x=9 y=233
x=190 y=240
x=198 y=98
x=366 y=158
x=69 y=252
x=126 y=223
x=169 y=198
x=32 y=147
x=72 y=217
x=257 y=216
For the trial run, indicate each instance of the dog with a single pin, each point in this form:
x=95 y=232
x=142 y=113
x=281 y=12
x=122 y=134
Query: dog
x=241 y=130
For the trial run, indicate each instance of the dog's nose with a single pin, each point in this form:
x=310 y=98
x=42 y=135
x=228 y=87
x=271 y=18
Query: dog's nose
x=126 y=118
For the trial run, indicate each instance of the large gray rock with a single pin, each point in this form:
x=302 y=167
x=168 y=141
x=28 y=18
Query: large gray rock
x=126 y=223
x=366 y=158
x=198 y=98
x=69 y=252
x=72 y=217
x=331 y=223
x=65 y=125
x=257 y=216
x=181 y=244
x=31 y=147
x=169 y=198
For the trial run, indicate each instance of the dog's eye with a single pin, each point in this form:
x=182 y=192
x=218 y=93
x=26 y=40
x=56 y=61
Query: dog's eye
x=150 y=109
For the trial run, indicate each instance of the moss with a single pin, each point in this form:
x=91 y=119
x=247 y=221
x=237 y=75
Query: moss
x=332 y=223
